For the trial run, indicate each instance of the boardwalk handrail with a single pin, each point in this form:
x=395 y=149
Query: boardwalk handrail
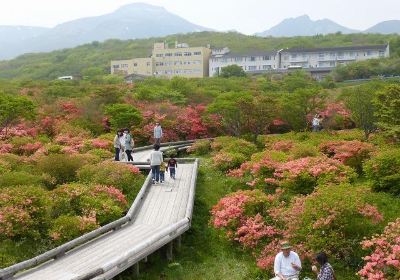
x=8 y=272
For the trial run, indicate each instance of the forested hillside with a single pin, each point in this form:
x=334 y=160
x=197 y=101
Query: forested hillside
x=95 y=58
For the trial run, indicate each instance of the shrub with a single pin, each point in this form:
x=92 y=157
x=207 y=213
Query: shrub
x=350 y=153
x=20 y=178
x=4 y=166
x=232 y=144
x=101 y=153
x=14 y=161
x=125 y=177
x=383 y=171
x=66 y=228
x=19 y=142
x=225 y=161
x=24 y=212
x=332 y=220
x=201 y=147
x=104 y=203
x=384 y=259
x=304 y=150
x=61 y=167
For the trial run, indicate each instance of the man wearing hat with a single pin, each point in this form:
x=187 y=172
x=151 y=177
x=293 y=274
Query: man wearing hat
x=287 y=263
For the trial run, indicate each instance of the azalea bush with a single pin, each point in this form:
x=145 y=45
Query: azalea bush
x=24 y=212
x=103 y=203
x=23 y=178
x=383 y=262
x=350 y=153
x=383 y=171
x=126 y=178
x=200 y=147
x=66 y=228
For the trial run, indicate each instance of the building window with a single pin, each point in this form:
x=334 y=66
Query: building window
x=381 y=54
x=252 y=68
x=332 y=64
x=266 y=57
x=252 y=58
x=135 y=64
x=294 y=56
x=333 y=55
x=115 y=66
x=340 y=55
x=237 y=59
x=187 y=54
x=148 y=63
x=168 y=54
x=159 y=55
x=369 y=53
x=266 y=67
x=321 y=56
x=351 y=54
x=197 y=53
x=178 y=54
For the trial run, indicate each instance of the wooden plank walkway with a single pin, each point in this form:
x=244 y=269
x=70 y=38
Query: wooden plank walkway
x=163 y=205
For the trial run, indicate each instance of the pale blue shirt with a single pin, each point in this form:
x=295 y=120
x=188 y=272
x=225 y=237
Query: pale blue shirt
x=158 y=132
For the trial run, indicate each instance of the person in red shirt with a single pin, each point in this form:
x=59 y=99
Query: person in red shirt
x=172 y=165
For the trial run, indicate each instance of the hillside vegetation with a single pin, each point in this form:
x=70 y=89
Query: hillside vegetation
x=95 y=57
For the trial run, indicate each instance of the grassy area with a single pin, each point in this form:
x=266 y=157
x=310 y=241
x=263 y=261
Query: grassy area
x=204 y=254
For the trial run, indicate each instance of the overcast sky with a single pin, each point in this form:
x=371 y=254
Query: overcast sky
x=246 y=16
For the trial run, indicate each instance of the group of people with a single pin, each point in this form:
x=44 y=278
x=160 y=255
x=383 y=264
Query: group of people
x=124 y=143
x=159 y=166
x=317 y=123
x=287 y=265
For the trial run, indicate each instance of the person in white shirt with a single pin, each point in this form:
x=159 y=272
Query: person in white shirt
x=156 y=158
x=287 y=264
x=316 y=123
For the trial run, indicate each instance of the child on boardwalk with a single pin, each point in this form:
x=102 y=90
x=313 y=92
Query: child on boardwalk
x=163 y=167
x=172 y=165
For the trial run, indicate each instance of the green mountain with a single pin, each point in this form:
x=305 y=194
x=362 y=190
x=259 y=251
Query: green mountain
x=97 y=56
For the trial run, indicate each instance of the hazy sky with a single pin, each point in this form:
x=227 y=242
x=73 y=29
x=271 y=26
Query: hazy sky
x=246 y=16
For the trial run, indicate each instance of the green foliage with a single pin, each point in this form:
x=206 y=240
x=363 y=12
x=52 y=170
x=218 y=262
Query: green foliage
x=124 y=177
x=122 y=115
x=232 y=71
x=66 y=228
x=13 y=109
x=200 y=147
x=360 y=103
x=387 y=105
x=297 y=106
x=61 y=167
x=23 y=178
x=383 y=171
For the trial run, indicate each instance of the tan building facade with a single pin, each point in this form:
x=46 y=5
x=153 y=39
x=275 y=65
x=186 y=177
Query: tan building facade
x=184 y=61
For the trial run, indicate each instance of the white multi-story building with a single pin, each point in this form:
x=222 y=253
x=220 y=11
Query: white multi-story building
x=255 y=62
x=330 y=57
x=318 y=61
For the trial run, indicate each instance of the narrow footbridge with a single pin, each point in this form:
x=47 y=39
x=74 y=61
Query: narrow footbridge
x=159 y=215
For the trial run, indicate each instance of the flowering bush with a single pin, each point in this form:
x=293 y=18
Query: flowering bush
x=225 y=161
x=200 y=147
x=104 y=203
x=126 y=178
x=24 y=212
x=331 y=220
x=6 y=148
x=101 y=153
x=61 y=167
x=383 y=171
x=384 y=260
x=101 y=144
x=66 y=228
x=350 y=153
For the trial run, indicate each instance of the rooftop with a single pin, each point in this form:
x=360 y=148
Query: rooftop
x=348 y=48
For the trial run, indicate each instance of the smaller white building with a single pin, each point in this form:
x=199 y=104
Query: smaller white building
x=255 y=62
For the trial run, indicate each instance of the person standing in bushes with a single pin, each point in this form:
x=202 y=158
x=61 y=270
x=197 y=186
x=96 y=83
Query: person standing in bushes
x=158 y=133
x=172 y=165
x=156 y=158
x=117 y=144
x=287 y=264
x=326 y=272
x=315 y=123
x=163 y=167
x=128 y=144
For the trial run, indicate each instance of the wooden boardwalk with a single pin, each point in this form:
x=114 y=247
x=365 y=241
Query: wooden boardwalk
x=163 y=214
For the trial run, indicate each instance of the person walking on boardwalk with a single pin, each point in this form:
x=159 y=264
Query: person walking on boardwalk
x=156 y=158
x=158 y=133
x=326 y=271
x=287 y=264
x=172 y=165
x=117 y=144
x=128 y=144
x=163 y=167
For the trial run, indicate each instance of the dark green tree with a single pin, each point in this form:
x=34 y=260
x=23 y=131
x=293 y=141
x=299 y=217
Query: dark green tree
x=13 y=109
x=122 y=115
x=232 y=71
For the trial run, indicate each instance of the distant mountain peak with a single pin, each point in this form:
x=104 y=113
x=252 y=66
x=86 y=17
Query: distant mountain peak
x=304 y=26
x=139 y=6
